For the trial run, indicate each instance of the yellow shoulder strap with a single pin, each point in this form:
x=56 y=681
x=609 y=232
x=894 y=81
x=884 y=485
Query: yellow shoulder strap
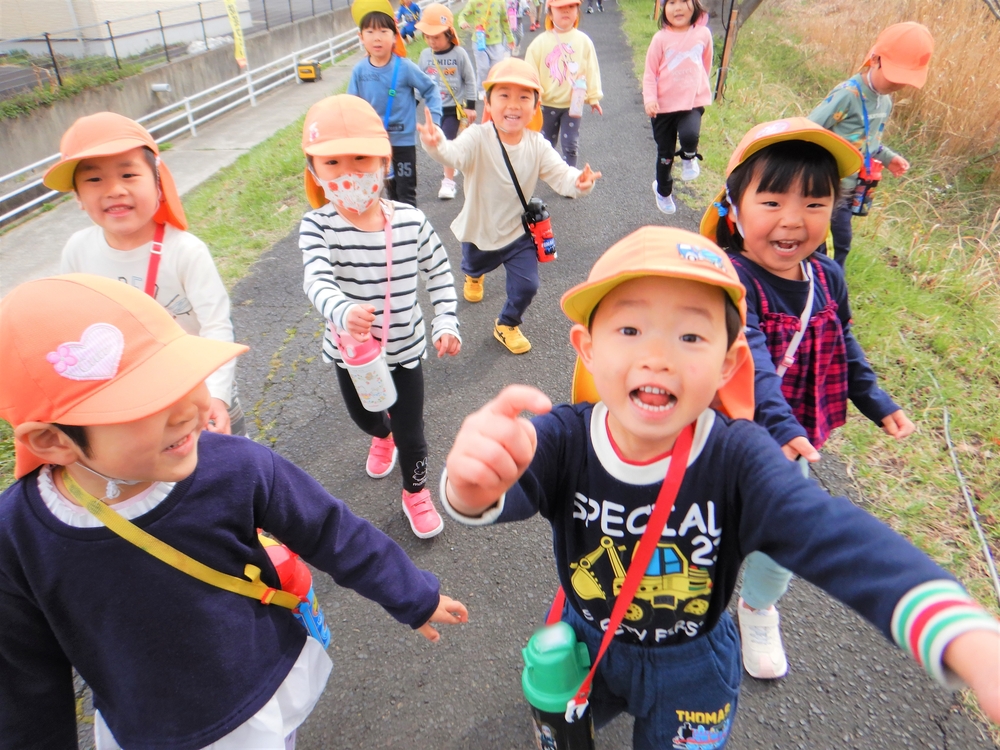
x=253 y=588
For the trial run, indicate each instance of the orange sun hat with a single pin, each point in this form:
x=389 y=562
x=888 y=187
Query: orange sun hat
x=340 y=125
x=438 y=19
x=904 y=51
x=107 y=134
x=672 y=253
x=86 y=350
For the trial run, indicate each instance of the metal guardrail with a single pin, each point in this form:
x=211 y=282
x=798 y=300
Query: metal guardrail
x=187 y=114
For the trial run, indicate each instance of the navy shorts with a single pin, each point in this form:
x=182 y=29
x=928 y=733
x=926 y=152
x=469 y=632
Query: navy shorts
x=682 y=697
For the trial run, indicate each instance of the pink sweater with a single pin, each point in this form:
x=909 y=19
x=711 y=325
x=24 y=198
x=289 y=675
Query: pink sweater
x=677 y=66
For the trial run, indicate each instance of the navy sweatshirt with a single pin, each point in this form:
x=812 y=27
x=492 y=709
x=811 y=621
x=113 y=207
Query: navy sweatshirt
x=739 y=494
x=789 y=297
x=174 y=662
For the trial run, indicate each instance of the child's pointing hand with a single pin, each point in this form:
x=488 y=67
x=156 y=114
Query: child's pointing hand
x=429 y=134
x=493 y=448
x=587 y=178
x=450 y=612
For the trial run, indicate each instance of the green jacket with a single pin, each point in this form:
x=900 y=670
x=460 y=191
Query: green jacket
x=491 y=15
x=842 y=113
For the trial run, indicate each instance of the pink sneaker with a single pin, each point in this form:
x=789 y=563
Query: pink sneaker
x=423 y=518
x=381 y=457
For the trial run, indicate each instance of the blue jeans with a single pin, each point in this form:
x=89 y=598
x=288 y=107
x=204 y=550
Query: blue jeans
x=520 y=260
x=681 y=696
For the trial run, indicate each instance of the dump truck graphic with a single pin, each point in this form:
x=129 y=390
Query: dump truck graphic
x=668 y=583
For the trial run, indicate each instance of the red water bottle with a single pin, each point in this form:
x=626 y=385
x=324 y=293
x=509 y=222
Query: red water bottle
x=296 y=579
x=539 y=226
x=864 y=191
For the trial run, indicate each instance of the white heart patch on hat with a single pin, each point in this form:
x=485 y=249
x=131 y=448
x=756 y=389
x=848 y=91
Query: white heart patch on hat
x=94 y=357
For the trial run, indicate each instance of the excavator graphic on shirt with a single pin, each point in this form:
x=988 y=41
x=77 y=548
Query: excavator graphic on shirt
x=669 y=581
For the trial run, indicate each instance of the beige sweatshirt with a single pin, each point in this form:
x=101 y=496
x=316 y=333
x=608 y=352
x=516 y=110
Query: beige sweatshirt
x=491 y=216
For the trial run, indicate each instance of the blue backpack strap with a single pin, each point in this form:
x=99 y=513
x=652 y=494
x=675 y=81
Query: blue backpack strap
x=864 y=114
x=392 y=95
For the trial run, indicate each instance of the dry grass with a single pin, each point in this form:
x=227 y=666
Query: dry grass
x=956 y=114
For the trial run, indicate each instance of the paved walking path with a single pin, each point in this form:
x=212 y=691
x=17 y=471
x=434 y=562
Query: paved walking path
x=848 y=687
x=32 y=250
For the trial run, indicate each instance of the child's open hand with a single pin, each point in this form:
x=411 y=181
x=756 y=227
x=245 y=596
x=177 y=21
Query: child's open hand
x=450 y=612
x=358 y=321
x=800 y=446
x=493 y=448
x=975 y=657
x=447 y=345
x=596 y=108
x=587 y=178
x=429 y=134
x=218 y=417
x=651 y=109
x=898 y=166
x=898 y=425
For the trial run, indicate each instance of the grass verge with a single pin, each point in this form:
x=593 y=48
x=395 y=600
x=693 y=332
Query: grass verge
x=923 y=274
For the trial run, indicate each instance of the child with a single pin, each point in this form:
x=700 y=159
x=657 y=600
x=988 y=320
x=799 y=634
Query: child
x=107 y=399
x=113 y=166
x=449 y=65
x=489 y=225
x=592 y=3
x=491 y=28
x=675 y=91
x=858 y=108
x=344 y=251
x=535 y=14
x=657 y=325
x=407 y=17
x=566 y=60
x=387 y=81
x=782 y=183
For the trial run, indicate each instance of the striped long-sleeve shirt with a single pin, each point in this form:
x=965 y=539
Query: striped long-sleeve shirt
x=346 y=266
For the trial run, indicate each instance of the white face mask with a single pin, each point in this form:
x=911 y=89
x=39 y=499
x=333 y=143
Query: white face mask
x=355 y=191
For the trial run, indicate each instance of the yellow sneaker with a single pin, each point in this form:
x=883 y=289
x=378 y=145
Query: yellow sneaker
x=473 y=289
x=511 y=337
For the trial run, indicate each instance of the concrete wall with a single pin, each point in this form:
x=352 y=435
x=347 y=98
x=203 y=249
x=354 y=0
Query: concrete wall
x=36 y=135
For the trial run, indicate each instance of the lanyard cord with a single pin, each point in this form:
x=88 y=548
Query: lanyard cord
x=392 y=93
x=864 y=114
x=153 y=269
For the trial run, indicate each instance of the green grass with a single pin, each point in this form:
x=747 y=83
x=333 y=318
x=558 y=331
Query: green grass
x=923 y=276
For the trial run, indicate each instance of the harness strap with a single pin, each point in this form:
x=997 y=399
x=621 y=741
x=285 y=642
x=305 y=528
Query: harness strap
x=253 y=588
x=864 y=114
x=576 y=706
x=153 y=269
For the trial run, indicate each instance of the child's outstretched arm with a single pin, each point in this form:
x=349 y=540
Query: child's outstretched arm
x=492 y=449
x=449 y=612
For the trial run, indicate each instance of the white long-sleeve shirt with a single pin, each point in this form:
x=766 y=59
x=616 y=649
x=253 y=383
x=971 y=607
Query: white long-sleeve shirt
x=188 y=285
x=345 y=266
x=491 y=216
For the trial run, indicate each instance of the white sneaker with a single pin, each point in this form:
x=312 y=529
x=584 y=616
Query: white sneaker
x=689 y=169
x=664 y=202
x=448 y=189
x=760 y=634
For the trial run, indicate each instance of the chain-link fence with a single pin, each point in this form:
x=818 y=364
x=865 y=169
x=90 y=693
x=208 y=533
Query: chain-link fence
x=95 y=54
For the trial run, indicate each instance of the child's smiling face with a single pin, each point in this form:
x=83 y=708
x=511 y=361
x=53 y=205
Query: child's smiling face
x=511 y=107
x=658 y=352
x=780 y=230
x=678 y=13
x=119 y=194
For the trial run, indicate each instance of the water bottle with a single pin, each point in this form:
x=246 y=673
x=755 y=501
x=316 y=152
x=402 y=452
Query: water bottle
x=578 y=97
x=555 y=665
x=481 y=38
x=539 y=225
x=296 y=579
x=864 y=191
x=369 y=371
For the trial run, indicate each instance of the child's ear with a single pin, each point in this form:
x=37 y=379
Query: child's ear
x=583 y=342
x=48 y=442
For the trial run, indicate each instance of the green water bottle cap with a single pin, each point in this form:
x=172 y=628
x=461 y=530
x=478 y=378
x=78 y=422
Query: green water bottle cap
x=555 y=665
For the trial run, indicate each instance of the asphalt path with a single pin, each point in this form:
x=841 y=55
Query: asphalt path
x=848 y=687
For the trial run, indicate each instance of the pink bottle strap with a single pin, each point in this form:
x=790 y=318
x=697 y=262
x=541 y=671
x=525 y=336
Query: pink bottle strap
x=153 y=269
x=387 y=213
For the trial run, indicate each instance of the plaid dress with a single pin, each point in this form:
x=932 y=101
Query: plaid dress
x=815 y=384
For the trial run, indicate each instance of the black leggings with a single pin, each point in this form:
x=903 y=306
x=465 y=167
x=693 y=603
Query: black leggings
x=404 y=419
x=402 y=186
x=667 y=129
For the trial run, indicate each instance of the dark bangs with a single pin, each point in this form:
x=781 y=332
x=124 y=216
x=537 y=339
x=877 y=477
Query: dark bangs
x=378 y=20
